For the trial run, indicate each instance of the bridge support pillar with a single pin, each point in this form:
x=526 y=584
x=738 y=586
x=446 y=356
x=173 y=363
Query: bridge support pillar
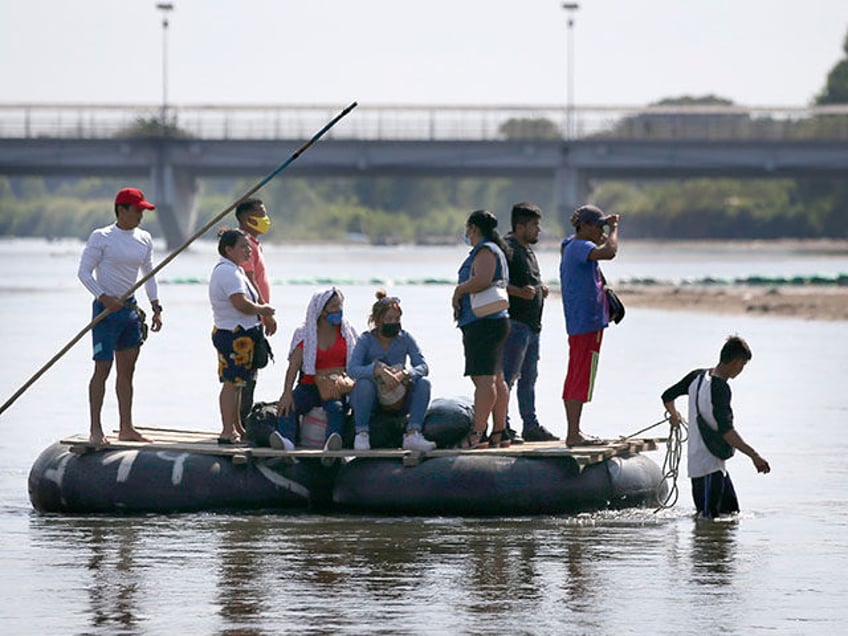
x=571 y=191
x=176 y=198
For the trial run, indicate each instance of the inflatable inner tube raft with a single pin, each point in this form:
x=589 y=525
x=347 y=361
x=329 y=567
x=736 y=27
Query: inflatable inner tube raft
x=150 y=480
x=497 y=485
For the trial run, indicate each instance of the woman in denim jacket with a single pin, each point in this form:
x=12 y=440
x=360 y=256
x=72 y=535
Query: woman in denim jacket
x=378 y=365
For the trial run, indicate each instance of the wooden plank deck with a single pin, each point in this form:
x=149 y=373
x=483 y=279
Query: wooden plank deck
x=205 y=442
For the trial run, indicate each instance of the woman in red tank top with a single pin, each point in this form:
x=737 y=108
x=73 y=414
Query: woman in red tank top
x=321 y=346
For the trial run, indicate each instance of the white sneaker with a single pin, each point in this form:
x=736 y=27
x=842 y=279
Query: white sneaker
x=362 y=441
x=279 y=442
x=415 y=441
x=333 y=443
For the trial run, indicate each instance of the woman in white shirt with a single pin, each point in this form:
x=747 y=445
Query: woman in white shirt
x=237 y=318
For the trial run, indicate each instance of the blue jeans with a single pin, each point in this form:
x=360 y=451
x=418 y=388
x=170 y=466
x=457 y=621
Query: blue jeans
x=521 y=361
x=363 y=399
x=306 y=398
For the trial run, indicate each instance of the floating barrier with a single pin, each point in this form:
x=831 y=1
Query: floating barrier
x=840 y=279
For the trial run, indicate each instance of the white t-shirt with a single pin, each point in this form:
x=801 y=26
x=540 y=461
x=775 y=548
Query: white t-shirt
x=227 y=279
x=116 y=256
x=701 y=461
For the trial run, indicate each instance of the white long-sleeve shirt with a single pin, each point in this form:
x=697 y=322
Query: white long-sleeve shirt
x=112 y=259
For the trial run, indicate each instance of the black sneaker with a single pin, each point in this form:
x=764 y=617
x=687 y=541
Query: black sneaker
x=513 y=436
x=539 y=434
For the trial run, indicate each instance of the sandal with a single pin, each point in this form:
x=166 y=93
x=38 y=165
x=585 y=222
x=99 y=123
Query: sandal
x=499 y=439
x=232 y=440
x=474 y=439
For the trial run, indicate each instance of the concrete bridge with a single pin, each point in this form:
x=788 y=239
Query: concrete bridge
x=418 y=141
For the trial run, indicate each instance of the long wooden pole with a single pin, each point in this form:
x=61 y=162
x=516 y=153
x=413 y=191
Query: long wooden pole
x=176 y=252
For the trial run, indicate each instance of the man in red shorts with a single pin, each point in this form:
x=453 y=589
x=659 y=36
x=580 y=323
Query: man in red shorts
x=586 y=309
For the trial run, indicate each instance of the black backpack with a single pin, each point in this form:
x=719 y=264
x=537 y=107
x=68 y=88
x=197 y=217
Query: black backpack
x=261 y=422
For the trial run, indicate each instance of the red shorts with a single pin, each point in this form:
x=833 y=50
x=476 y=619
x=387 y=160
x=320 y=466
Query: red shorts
x=583 y=352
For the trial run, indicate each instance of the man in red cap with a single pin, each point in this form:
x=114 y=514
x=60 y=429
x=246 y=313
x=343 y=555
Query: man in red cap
x=109 y=267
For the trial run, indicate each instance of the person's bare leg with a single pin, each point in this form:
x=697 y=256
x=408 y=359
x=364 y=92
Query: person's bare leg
x=229 y=404
x=484 y=400
x=125 y=368
x=238 y=425
x=573 y=411
x=96 y=393
x=499 y=409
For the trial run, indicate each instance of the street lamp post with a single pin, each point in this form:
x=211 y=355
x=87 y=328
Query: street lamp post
x=570 y=8
x=165 y=8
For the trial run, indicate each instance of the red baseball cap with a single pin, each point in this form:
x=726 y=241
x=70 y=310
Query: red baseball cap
x=133 y=196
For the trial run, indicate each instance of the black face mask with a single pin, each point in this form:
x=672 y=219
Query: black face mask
x=390 y=329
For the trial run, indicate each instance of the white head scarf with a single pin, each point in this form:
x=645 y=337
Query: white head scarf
x=307 y=333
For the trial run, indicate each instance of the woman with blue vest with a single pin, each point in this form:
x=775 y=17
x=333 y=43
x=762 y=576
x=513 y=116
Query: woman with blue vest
x=483 y=336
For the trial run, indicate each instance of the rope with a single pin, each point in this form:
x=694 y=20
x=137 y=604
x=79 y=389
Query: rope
x=673 y=452
x=647 y=428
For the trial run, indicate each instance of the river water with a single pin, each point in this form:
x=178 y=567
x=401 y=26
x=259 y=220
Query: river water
x=780 y=567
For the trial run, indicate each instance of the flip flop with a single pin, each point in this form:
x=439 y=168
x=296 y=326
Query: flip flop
x=233 y=440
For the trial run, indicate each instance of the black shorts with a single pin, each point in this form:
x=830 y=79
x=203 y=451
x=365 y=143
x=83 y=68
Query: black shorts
x=483 y=341
x=714 y=495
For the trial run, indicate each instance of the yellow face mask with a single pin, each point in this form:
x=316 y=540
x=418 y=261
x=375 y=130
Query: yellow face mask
x=259 y=223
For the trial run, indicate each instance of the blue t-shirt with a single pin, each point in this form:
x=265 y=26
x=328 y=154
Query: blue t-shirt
x=466 y=316
x=583 y=298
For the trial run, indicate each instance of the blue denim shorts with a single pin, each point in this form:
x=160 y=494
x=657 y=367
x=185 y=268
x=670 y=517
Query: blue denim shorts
x=118 y=331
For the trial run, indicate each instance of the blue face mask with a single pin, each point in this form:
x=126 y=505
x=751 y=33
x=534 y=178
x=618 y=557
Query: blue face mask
x=467 y=240
x=335 y=318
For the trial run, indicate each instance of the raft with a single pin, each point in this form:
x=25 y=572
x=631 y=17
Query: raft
x=498 y=485
x=189 y=471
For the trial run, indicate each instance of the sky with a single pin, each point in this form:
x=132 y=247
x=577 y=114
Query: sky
x=439 y=52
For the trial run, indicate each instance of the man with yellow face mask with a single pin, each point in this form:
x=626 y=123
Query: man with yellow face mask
x=253 y=221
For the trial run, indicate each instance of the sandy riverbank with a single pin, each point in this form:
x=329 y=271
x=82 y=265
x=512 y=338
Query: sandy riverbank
x=810 y=302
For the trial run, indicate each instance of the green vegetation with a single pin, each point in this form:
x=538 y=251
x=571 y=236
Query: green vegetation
x=390 y=211
x=152 y=127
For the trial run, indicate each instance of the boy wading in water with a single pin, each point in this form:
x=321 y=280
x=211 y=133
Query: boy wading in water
x=709 y=400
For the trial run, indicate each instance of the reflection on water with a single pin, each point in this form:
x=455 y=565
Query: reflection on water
x=241 y=601
x=713 y=542
x=313 y=574
x=113 y=574
x=613 y=572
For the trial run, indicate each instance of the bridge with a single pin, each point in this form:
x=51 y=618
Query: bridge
x=175 y=148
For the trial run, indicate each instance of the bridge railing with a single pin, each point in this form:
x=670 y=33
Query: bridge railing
x=424 y=123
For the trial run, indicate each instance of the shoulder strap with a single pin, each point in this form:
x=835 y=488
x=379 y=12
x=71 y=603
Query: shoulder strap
x=698 y=392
